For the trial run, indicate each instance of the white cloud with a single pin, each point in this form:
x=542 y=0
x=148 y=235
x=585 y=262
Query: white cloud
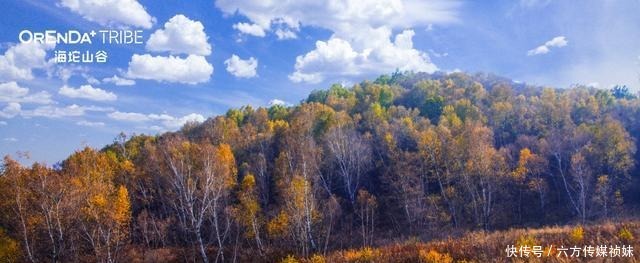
x=285 y=34
x=87 y=92
x=337 y=58
x=56 y=112
x=11 y=110
x=12 y=92
x=558 y=42
x=3 y=123
x=41 y=97
x=19 y=60
x=593 y=85
x=128 y=116
x=362 y=41
x=241 y=68
x=275 y=102
x=340 y=15
x=90 y=124
x=59 y=112
x=90 y=79
x=111 y=12
x=118 y=81
x=181 y=121
x=250 y=29
x=180 y=35
x=168 y=121
x=10 y=139
x=191 y=70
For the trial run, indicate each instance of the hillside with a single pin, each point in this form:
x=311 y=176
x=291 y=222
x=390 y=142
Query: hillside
x=394 y=162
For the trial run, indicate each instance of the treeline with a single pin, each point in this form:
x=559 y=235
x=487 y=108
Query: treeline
x=406 y=156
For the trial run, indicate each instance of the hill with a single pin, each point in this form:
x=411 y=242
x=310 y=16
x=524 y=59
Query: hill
x=405 y=157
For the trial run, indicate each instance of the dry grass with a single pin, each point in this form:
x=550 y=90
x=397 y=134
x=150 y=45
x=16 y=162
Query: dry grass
x=490 y=247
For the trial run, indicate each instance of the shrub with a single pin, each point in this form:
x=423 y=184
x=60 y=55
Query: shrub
x=366 y=254
x=577 y=235
x=317 y=259
x=625 y=234
x=433 y=256
x=289 y=259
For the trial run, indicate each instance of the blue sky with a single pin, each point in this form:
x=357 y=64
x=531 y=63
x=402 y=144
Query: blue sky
x=200 y=58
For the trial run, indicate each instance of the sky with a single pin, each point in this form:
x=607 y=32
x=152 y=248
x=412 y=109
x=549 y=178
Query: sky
x=197 y=59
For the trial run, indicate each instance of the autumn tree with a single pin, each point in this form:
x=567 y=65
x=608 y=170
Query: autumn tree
x=200 y=177
x=104 y=207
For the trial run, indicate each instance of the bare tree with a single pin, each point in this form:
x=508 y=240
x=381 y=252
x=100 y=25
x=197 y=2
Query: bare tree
x=351 y=153
x=201 y=177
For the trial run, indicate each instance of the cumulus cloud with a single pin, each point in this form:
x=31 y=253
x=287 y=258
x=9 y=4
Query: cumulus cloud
x=168 y=121
x=118 y=81
x=338 y=15
x=12 y=92
x=19 y=60
x=11 y=110
x=250 y=29
x=181 y=121
x=111 y=12
x=241 y=68
x=362 y=41
x=87 y=92
x=556 y=42
x=275 y=102
x=285 y=34
x=338 y=57
x=90 y=79
x=191 y=70
x=180 y=35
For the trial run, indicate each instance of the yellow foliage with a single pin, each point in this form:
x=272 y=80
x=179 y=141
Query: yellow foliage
x=225 y=157
x=407 y=121
x=366 y=254
x=625 y=234
x=276 y=125
x=577 y=235
x=248 y=211
x=122 y=207
x=433 y=256
x=278 y=225
x=248 y=182
x=127 y=166
x=378 y=111
x=98 y=201
x=317 y=259
x=521 y=170
x=289 y=259
x=299 y=186
x=388 y=138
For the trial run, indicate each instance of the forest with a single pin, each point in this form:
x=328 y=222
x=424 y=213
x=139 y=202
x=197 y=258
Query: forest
x=406 y=157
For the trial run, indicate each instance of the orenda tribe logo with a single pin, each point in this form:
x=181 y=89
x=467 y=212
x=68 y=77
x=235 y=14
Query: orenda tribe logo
x=76 y=37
